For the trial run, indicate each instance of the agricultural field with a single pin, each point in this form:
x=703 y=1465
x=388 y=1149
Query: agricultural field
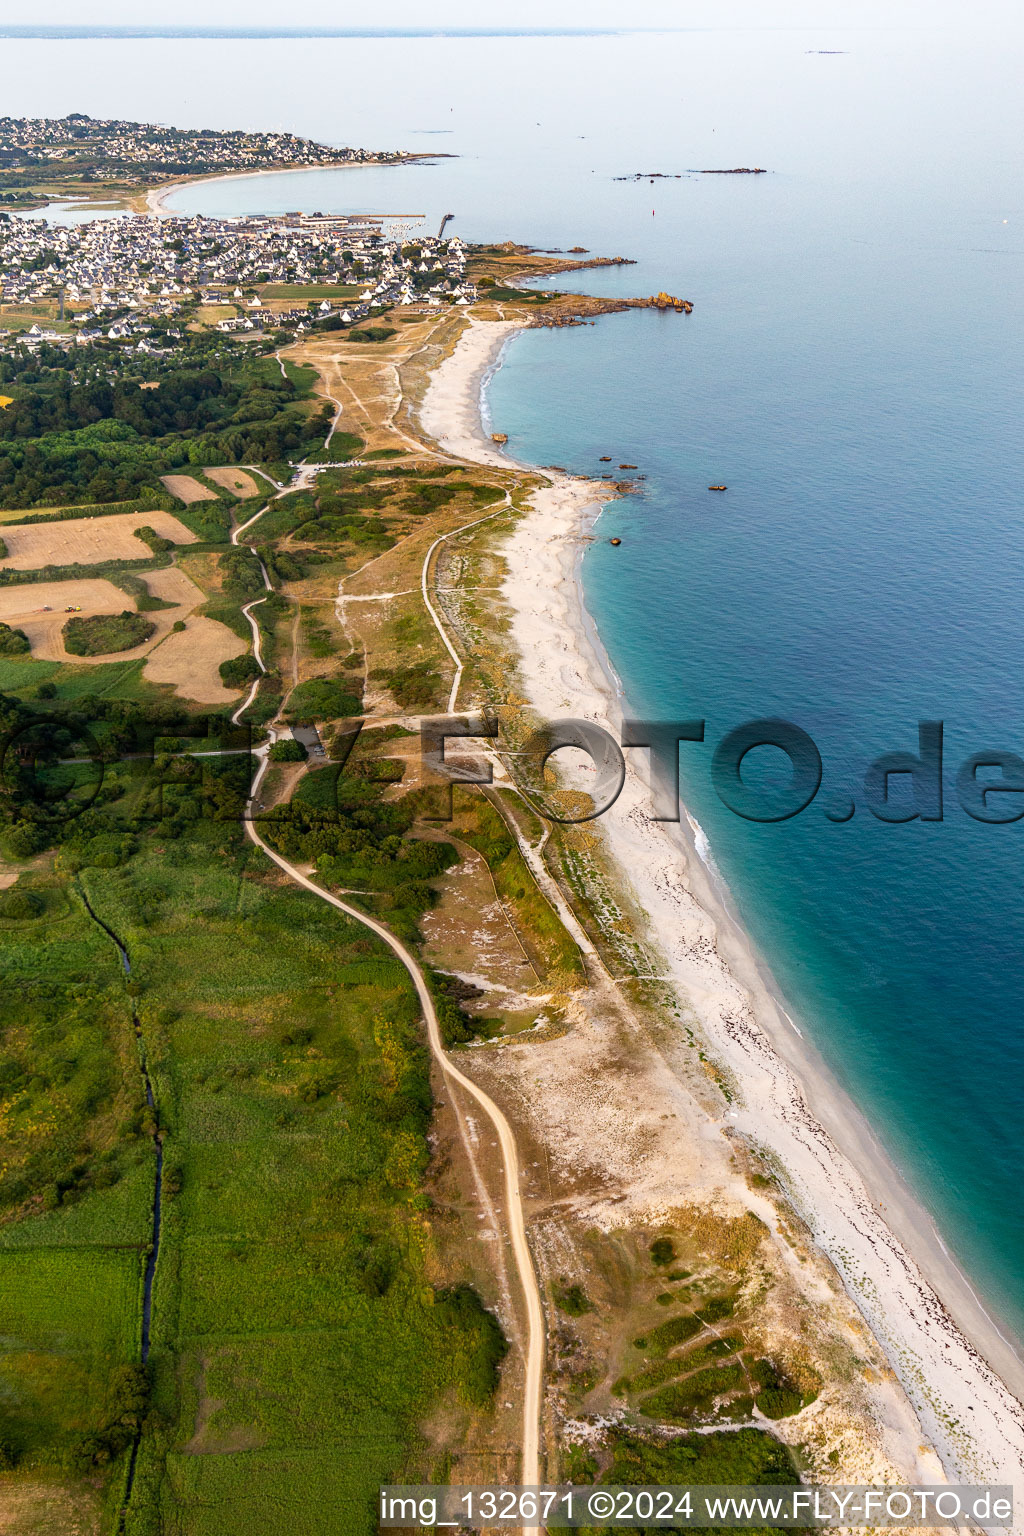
x=237 y=481
x=39 y=609
x=87 y=540
x=187 y=488
x=190 y=660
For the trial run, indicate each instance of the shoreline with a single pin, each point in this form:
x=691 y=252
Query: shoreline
x=958 y=1370
x=155 y=197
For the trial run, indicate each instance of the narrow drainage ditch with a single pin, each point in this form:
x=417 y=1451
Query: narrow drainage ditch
x=154 y=1245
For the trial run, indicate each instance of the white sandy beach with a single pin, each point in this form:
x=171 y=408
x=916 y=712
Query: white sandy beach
x=963 y=1378
x=450 y=413
x=156 y=199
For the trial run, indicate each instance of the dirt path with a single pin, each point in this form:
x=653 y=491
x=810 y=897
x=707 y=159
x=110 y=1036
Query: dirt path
x=255 y=518
x=257 y=642
x=534 y=1353
x=453 y=653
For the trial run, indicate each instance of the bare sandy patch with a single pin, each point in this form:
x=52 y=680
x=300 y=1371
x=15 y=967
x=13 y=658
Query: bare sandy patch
x=190 y=661
x=87 y=540
x=39 y=608
x=187 y=489
x=234 y=480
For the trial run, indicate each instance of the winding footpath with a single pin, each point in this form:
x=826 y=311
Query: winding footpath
x=534 y=1361
x=257 y=640
x=453 y=653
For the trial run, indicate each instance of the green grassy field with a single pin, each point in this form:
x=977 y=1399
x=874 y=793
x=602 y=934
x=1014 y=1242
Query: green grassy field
x=299 y=1334
x=303 y=291
x=21 y=676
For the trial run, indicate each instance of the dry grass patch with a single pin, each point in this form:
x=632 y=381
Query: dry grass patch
x=39 y=608
x=190 y=661
x=87 y=540
x=40 y=1509
x=234 y=480
x=365 y=379
x=187 y=489
x=213 y=314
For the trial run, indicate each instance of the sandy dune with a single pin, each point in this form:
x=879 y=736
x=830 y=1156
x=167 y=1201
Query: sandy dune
x=938 y=1340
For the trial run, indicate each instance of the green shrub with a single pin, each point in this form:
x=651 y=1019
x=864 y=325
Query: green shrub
x=663 y=1338
x=240 y=573
x=779 y=1397
x=716 y=1309
x=26 y=838
x=318 y=698
x=696 y=1394
x=13 y=642
x=239 y=671
x=456 y=1025
x=572 y=1299
x=127 y=581
x=150 y=536
x=745 y=1456
x=105 y=633
x=779 y=1402
x=288 y=752
x=462 y=1310
x=417 y=687
x=127 y=1404
x=663 y=1251
x=373 y=333
x=21 y=905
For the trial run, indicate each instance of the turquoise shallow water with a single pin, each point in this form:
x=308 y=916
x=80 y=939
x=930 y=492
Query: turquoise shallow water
x=852 y=371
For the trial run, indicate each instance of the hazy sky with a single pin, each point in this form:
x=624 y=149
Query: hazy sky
x=527 y=13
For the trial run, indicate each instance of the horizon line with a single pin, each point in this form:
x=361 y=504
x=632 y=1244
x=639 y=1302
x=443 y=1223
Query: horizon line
x=169 y=29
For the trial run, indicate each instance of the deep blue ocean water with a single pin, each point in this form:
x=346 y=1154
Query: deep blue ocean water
x=852 y=371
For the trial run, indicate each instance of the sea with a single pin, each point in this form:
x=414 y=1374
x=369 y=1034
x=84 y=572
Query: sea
x=852 y=372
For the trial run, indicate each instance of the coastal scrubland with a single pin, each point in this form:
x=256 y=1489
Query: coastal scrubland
x=292 y=1102
x=331 y=1304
